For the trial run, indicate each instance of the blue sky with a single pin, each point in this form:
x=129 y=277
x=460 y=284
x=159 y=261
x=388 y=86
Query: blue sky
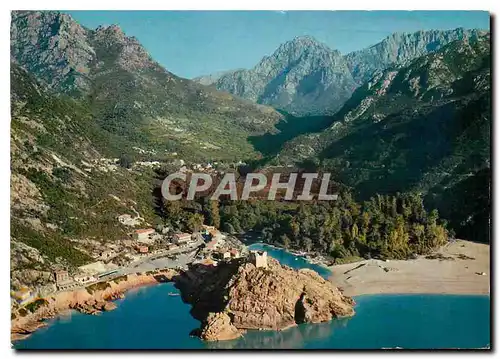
x=194 y=43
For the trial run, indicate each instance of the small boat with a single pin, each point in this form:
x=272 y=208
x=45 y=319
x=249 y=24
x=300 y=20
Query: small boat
x=172 y=294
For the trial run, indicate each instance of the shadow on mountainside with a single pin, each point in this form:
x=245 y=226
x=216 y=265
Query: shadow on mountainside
x=289 y=128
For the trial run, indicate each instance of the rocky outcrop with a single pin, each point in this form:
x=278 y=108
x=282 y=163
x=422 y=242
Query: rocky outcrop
x=272 y=298
x=118 y=79
x=305 y=77
x=218 y=326
x=399 y=48
x=93 y=306
x=84 y=300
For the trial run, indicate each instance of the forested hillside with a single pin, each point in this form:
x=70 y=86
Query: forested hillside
x=130 y=95
x=64 y=197
x=424 y=128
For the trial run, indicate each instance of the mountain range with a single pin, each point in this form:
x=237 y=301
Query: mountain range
x=306 y=77
x=130 y=95
x=424 y=127
x=412 y=113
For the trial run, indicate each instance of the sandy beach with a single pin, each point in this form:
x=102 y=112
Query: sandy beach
x=458 y=269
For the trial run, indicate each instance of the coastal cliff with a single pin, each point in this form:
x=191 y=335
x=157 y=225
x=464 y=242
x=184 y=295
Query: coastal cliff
x=227 y=299
x=237 y=295
x=93 y=299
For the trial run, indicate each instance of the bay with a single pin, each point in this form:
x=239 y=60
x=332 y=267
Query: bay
x=148 y=318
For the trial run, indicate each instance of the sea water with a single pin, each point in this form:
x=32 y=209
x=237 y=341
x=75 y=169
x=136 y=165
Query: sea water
x=148 y=318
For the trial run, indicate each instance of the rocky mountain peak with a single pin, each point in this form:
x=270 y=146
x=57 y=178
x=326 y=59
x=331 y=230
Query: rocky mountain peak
x=300 y=77
x=302 y=48
x=111 y=29
x=400 y=48
x=115 y=47
x=304 y=42
x=53 y=46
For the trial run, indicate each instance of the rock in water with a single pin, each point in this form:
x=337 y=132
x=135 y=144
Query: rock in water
x=272 y=298
x=218 y=326
x=109 y=306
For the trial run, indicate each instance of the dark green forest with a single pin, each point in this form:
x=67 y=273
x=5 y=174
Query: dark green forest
x=383 y=227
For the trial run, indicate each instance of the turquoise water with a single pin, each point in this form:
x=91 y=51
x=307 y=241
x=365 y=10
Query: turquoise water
x=290 y=260
x=150 y=319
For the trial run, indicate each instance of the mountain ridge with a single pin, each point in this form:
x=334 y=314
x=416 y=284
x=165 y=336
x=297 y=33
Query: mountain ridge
x=131 y=95
x=296 y=77
x=268 y=81
x=425 y=127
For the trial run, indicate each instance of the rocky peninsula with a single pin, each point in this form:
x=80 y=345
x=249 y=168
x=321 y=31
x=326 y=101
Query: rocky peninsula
x=228 y=299
x=240 y=295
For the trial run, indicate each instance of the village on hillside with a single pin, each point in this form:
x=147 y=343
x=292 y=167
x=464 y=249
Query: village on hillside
x=145 y=249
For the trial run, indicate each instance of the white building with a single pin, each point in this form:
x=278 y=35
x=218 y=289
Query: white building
x=144 y=235
x=127 y=220
x=259 y=258
x=84 y=278
x=181 y=238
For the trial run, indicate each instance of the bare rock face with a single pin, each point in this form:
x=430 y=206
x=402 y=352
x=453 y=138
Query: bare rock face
x=218 y=326
x=93 y=306
x=303 y=76
x=272 y=298
x=400 y=48
x=107 y=306
x=280 y=297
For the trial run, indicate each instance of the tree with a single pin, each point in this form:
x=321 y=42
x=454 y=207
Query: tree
x=195 y=222
x=285 y=241
x=173 y=210
x=213 y=214
x=125 y=161
x=228 y=227
x=307 y=243
x=236 y=225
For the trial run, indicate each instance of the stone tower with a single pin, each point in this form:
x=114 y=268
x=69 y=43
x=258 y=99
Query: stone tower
x=259 y=258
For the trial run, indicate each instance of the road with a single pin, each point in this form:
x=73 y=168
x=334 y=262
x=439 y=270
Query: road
x=161 y=260
x=184 y=255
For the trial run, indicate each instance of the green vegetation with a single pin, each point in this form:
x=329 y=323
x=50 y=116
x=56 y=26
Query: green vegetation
x=117 y=280
x=384 y=226
x=33 y=306
x=91 y=289
x=428 y=132
x=405 y=147
x=53 y=246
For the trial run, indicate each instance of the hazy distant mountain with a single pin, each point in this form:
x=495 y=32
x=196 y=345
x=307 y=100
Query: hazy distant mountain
x=399 y=48
x=208 y=80
x=302 y=76
x=130 y=94
x=305 y=77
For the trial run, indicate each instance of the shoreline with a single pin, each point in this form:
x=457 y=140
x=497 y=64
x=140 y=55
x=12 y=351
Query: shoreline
x=81 y=300
x=294 y=252
x=457 y=269
x=454 y=272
